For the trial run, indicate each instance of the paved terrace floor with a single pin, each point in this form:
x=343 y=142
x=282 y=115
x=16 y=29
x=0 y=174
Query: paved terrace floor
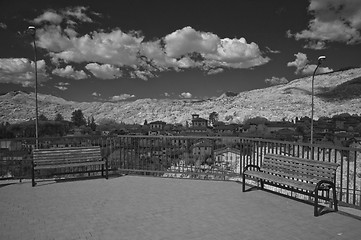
x=133 y=207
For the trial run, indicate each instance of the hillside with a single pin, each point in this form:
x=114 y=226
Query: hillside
x=335 y=93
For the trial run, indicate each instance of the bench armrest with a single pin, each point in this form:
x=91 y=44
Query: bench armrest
x=320 y=183
x=251 y=166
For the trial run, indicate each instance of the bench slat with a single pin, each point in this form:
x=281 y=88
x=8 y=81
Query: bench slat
x=303 y=160
x=304 y=177
x=282 y=180
x=80 y=164
x=325 y=173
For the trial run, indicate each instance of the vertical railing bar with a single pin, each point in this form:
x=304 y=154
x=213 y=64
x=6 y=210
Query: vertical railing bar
x=348 y=175
x=354 y=177
x=341 y=175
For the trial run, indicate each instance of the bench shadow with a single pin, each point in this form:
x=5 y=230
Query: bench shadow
x=44 y=182
x=322 y=210
x=6 y=184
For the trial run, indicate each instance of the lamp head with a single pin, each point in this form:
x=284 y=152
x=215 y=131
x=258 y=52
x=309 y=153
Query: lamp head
x=32 y=30
x=321 y=58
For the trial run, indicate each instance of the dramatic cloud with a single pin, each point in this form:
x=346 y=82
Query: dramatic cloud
x=62 y=86
x=188 y=40
x=334 y=21
x=69 y=15
x=49 y=16
x=184 y=48
x=121 y=97
x=3 y=25
x=116 y=48
x=276 y=81
x=185 y=95
x=69 y=72
x=77 y=13
x=212 y=51
x=215 y=71
x=144 y=75
x=304 y=68
x=105 y=71
x=272 y=51
x=21 y=71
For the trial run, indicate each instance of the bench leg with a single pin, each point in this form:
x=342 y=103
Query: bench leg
x=243 y=183
x=106 y=169
x=334 y=198
x=315 y=210
x=33 y=183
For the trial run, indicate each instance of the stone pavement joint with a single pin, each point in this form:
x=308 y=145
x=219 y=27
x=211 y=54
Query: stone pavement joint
x=132 y=207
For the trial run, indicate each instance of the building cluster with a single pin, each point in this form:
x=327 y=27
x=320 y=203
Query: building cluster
x=341 y=130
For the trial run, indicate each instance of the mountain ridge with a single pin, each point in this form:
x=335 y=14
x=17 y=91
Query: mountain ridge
x=335 y=93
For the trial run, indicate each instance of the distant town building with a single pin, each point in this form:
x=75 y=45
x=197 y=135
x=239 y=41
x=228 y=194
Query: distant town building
x=199 y=122
x=229 y=157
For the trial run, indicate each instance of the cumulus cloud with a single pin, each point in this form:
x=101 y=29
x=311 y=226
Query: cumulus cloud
x=49 y=16
x=69 y=72
x=144 y=75
x=3 y=25
x=304 y=68
x=212 y=51
x=215 y=71
x=121 y=97
x=116 y=48
x=95 y=94
x=276 y=81
x=77 y=13
x=166 y=94
x=185 y=95
x=334 y=21
x=21 y=71
x=272 y=51
x=182 y=49
x=188 y=40
x=62 y=86
x=104 y=71
x=68 y=15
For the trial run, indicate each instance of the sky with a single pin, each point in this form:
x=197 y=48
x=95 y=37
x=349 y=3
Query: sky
x=128 y=50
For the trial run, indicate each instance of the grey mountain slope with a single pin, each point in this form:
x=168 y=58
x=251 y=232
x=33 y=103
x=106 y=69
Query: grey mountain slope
x=335 y=93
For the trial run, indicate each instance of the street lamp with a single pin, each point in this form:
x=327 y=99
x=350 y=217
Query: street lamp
x=32 y=32
x=320 y=59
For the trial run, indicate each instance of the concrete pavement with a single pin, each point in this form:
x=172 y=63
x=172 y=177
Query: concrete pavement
x=132 y=207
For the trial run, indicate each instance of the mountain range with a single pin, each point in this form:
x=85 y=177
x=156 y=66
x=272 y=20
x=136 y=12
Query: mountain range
x=334 y=93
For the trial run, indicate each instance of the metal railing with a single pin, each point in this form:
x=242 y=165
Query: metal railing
x=214 y=158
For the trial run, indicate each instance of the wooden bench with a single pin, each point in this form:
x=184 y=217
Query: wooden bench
x=54 y=158
x=304 y=175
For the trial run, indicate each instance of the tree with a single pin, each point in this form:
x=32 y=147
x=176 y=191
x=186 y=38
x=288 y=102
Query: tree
x=145 y=122
x=77 y=118
x=42 y=117
x=213 y=117
x=92 y=124
x=59 y=117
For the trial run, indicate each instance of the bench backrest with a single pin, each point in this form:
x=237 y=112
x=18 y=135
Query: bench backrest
x=299 y=168
x=53 y=156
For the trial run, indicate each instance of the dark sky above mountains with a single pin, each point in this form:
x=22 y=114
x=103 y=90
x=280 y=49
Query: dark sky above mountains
x=126 y=50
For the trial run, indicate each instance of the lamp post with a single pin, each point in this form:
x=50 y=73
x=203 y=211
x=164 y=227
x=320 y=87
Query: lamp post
x=320 y=59
x=32 y=32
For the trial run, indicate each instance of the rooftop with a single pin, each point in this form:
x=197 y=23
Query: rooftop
x=134 y=207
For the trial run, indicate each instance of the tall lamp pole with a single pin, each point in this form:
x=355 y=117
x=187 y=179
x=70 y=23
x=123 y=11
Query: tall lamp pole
x=32 y=31
x=320 y=59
